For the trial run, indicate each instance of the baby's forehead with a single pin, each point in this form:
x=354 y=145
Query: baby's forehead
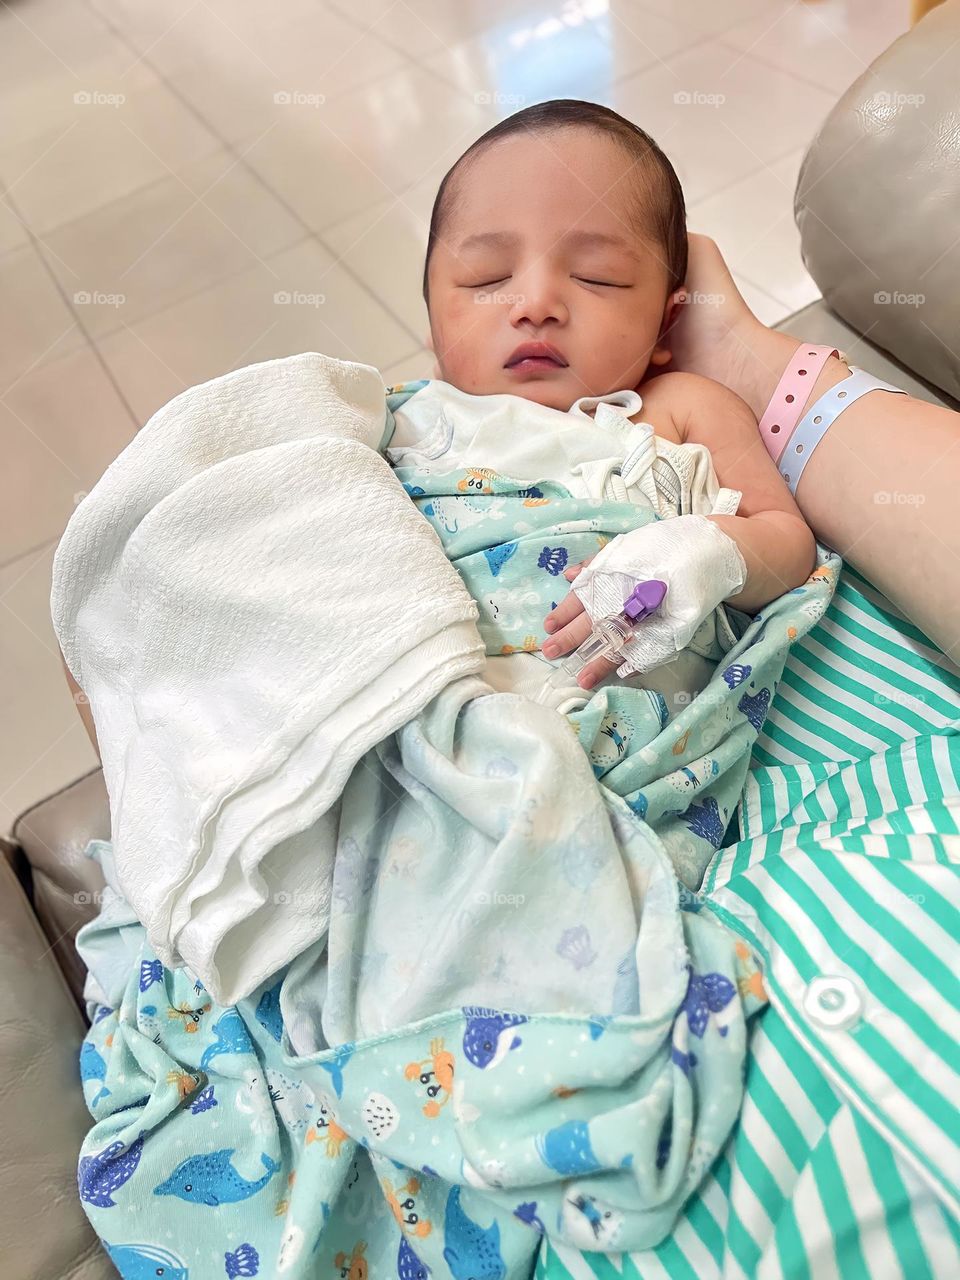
x=621 y=210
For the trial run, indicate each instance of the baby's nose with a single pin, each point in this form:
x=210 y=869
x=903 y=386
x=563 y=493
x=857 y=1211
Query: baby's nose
x=537 y=303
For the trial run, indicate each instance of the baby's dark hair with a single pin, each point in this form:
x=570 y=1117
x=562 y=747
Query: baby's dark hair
x=658 y=206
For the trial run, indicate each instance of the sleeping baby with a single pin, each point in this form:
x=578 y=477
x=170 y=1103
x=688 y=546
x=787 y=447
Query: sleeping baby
x=556 y=256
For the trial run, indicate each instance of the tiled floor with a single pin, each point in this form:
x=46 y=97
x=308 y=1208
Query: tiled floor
x=166 y=170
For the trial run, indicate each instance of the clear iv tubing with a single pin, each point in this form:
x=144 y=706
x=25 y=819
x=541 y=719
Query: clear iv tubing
x=610 y=634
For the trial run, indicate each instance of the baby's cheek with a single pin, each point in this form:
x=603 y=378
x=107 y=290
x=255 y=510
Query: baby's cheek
x=466 y=363
x=632 y=357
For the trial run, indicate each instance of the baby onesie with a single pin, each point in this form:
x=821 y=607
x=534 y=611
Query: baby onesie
x=593 y=451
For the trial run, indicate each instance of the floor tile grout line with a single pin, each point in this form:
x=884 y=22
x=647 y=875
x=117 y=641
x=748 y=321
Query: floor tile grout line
x=746 y=177
x=781 y=302
x=241 y=162
x=180 y=300
x=801 y=79
x=29 y=551
x=91 y=344
x=231 y=149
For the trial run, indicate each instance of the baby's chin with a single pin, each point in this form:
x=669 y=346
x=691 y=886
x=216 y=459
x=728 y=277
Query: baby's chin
x=557 y=395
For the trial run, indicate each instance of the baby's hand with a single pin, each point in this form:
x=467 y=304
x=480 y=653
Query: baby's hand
x=569 y=625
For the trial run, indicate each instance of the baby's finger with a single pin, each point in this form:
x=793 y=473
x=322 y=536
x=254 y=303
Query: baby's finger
x=596 y=671
x=569 y=637
x=571 y=571
x=569 y=608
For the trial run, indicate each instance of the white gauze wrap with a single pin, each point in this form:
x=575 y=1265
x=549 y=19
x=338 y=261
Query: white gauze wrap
x=700 y=564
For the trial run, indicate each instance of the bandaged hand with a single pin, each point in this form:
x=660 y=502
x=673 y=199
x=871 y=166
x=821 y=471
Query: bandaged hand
x=701 y=565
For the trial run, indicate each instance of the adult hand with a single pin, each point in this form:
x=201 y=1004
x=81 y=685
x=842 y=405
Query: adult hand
x=714 y=333
x=568 y=625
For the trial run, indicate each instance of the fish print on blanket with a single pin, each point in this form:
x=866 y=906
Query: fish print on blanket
x=268 y=1012
x=93 y=1067
x=409 y=1266
x=230 y=1036
x=567 y=1149
x=471 y=1252
x=212 y=1180
x=341 y=1056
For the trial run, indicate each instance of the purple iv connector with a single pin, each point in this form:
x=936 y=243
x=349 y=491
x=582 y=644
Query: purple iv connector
x=609 y=635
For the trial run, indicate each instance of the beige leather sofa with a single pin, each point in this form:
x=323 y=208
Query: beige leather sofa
x=877 y=205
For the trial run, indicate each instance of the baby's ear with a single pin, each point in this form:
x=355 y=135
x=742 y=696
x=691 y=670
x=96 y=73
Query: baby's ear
x=661 y=353
x=671 y=311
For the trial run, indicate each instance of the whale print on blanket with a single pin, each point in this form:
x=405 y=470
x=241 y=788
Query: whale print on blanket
x=100 y=1176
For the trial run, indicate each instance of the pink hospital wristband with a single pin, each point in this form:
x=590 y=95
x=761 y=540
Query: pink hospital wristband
x=821 y=416
x=791 y=394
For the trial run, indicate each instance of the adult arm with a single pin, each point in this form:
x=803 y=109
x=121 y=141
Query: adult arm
x=881 y=488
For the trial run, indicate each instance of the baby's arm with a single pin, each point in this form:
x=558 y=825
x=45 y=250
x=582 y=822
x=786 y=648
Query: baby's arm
x=778 y=548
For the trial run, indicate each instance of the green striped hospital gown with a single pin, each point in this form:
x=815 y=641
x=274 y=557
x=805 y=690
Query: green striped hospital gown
x=846 y=1159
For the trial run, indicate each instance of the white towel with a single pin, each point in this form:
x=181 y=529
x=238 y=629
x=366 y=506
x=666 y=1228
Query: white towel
x=250 y=602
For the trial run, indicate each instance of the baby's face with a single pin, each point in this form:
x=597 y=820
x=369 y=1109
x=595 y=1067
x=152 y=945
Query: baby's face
x=539 y=248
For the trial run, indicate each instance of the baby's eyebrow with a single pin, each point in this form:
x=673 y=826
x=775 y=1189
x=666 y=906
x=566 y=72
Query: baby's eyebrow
x=576 y=239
